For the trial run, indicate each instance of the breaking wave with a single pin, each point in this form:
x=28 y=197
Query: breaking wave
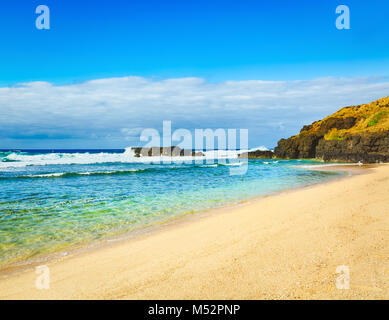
x=23 y=159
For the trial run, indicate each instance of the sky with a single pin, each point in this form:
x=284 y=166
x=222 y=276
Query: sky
x=107 y=69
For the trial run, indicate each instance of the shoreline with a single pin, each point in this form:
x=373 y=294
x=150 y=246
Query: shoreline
x=186 y=217
x=192 y=222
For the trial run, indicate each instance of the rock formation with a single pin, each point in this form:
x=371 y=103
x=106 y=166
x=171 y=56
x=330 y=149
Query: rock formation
x=357 y=133
x=257 y=154
x=164 y=151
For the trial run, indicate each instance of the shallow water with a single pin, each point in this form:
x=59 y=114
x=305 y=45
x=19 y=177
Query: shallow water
x=50 y=201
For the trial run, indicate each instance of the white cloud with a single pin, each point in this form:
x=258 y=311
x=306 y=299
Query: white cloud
x=116 y=109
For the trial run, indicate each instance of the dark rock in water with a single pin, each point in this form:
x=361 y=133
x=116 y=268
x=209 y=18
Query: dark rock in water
x=197 y=154
x=173 y=151
x=257 y=154
x=294 y=148
x=352 y=134
x=190 y=153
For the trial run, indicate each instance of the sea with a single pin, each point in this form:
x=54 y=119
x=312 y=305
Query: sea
x=55 y=200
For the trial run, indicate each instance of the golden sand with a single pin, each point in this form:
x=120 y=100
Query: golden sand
x=281 y=247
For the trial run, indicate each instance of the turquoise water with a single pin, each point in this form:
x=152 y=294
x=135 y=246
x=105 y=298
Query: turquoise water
x=48 y=202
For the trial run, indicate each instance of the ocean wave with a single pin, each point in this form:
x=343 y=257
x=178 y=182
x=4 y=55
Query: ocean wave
x=271 y=162
x=97 y=173
x=80 y=174
x=23 y=159
x=107 y=173
x=235 y=164
x=16 y=159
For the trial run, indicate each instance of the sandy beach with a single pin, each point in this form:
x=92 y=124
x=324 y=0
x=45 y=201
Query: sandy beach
x=286 y=246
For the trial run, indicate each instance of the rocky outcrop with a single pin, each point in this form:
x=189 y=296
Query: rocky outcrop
x=367 y=148
x=296 y=148
x=359 y=133
x=257 y=154
x=173 y=151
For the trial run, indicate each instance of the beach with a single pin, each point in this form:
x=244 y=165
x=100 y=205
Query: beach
x=285 y=246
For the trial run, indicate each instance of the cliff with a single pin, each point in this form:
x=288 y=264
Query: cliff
x=356 y=133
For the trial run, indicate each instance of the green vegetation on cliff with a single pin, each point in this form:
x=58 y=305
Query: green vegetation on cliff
x=369 y=117
x=350 y=134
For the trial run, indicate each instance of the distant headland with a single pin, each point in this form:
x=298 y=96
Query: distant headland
x=352 y=134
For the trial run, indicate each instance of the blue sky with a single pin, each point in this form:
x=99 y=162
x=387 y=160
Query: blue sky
x=212 y=41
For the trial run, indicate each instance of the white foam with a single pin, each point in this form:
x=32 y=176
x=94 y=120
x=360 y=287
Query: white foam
x=328 y=165
x=22 y=160
x=261 y=148
x=237 y=164
x=47 y=175
x=60 y=174
x=16 y=160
